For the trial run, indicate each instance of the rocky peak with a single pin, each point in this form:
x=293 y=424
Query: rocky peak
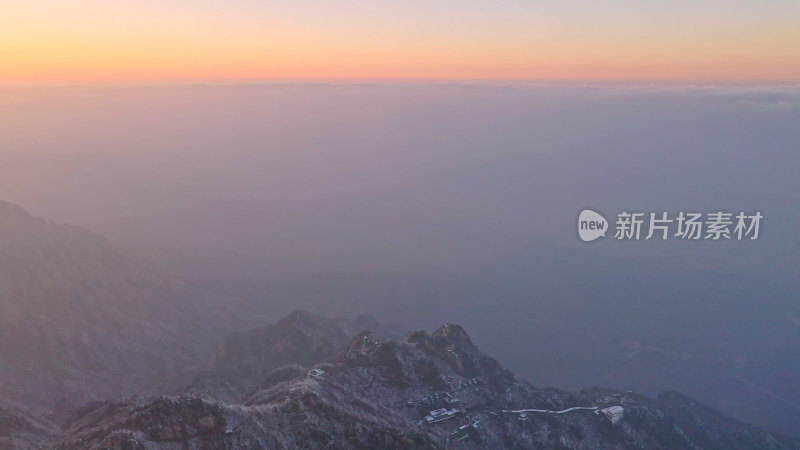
x=302 y=318
x=452 y=344
x=300 y=338
x=448 y=338
x=454 y=335
x=412 y=395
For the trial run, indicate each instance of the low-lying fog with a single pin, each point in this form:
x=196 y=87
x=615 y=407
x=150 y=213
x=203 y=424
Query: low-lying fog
x=431 y=203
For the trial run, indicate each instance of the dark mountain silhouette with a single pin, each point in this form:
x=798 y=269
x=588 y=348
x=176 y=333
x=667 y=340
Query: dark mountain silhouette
x=434 y=390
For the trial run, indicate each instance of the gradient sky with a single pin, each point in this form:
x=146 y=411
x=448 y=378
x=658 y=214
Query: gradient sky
x=68 y=41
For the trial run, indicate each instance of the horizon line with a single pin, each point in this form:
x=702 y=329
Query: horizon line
x=400 y=82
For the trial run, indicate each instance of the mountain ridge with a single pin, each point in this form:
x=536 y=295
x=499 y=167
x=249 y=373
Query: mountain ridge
x=81 y=321
x=433 y=390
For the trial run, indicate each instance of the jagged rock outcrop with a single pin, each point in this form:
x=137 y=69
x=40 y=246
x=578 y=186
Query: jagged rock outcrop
x=300 y=338
x=241 y=362
x=411 y=395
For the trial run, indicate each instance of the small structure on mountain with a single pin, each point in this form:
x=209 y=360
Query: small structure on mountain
x=465 y=432
x=316 y=373
x=440 y=415
x=613 y=413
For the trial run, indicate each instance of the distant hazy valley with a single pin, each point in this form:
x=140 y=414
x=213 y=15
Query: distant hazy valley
x=101 y=350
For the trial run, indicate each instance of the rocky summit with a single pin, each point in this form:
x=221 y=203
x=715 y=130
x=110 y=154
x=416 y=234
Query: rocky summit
x=298 y=385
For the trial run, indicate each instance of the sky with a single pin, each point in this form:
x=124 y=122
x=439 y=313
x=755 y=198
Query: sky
x=210 y=41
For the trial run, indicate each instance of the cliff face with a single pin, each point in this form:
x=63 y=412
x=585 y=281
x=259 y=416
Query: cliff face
x=434 y=390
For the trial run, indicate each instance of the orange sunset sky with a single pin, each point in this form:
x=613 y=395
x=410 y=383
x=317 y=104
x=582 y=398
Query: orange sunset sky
x=148 y=41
